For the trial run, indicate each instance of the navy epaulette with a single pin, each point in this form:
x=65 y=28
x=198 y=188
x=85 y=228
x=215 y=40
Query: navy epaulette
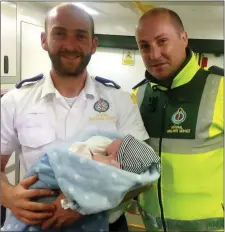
x=33 y=79
x=141 y=83
x=216 y=70
x=107 y=82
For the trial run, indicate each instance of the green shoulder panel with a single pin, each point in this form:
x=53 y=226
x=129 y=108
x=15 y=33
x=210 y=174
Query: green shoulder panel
x=216 y=70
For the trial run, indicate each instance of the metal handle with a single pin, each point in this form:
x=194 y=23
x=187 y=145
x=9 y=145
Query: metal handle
x=6 y=64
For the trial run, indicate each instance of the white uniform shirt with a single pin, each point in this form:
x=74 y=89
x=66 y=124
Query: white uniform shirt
x=36 y=117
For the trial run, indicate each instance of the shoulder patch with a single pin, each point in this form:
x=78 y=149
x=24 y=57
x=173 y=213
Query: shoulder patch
x=30 y=80
x=216 y=70
x=141 y=83
x=107 y=82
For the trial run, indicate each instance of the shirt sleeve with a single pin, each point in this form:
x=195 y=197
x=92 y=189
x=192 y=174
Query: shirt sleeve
x=130 y=121
x=9 y=139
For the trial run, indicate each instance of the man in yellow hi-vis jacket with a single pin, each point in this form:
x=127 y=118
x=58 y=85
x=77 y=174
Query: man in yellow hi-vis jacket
x=182 y=109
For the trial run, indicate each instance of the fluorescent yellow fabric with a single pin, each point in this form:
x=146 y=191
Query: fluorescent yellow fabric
x=133 y=95
x=191 y=184
x=185 y=185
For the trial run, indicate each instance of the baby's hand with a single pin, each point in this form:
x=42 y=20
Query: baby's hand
x=113 y=148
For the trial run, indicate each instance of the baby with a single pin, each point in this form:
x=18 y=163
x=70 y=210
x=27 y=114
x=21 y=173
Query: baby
x=99 y=148
x=128 y=154
x=88 y=188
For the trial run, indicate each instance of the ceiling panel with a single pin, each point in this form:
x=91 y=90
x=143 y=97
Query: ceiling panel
x=121 y=17
x=109 y=9
x=202 y=11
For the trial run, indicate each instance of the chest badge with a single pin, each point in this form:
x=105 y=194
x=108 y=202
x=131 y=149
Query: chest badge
x=179 y=116
x=101 y=106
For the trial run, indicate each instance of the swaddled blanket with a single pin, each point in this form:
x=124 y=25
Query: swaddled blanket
x=93 y=187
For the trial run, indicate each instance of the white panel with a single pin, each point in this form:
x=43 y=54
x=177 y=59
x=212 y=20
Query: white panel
x=31 y=13
x=34 y=60
x=107 y=63
x=8 y=37
x=213 y=60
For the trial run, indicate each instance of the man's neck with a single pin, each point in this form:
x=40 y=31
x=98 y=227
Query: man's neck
x=68 y=86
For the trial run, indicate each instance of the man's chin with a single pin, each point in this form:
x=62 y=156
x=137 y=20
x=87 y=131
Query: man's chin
x=68 y=73
x=160 y=75
x=162 y=78
x=70 y=70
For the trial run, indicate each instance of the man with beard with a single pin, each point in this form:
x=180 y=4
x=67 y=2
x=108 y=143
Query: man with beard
x=48 y=111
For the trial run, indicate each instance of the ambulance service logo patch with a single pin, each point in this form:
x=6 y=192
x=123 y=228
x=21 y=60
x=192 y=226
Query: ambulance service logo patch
x=179 y=116
x=101 y=106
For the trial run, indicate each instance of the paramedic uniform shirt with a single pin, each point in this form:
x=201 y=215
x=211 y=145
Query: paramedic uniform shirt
x=36 y=117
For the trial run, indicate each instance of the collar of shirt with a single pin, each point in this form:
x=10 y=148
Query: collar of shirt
x=88 y=91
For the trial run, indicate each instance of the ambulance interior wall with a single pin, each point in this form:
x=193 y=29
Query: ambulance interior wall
x=32 y=60
x=26 y=12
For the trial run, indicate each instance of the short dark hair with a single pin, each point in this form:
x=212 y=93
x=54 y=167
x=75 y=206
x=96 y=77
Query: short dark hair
x=88 y=15
x=175 y=18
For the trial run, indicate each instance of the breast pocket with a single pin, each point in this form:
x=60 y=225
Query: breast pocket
x=36 y=131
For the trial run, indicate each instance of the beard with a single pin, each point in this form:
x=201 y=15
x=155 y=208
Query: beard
x=68 y=69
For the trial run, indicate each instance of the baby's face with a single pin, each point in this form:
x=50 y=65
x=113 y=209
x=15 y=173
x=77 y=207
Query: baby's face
x=113 y=148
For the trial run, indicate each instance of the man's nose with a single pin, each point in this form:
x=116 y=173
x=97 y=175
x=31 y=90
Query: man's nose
x=154 y=53
x=71 y=43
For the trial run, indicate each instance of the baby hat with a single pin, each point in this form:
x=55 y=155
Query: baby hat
x=136 y=156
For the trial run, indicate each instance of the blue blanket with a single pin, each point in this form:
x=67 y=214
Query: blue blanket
x=94 y=187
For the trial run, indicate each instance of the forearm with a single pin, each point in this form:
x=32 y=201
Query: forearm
x=5 y=189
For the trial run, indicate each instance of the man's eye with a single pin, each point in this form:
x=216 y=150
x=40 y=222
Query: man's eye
x=144 y=46
x=162 y=41
x=81 y=37
x=59 y=33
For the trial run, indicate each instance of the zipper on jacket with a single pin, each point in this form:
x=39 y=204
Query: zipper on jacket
x=159 y=181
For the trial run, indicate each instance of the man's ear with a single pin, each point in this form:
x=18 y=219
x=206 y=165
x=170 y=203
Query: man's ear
x=184 y=37
x=44 y=43
x=95 y=44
